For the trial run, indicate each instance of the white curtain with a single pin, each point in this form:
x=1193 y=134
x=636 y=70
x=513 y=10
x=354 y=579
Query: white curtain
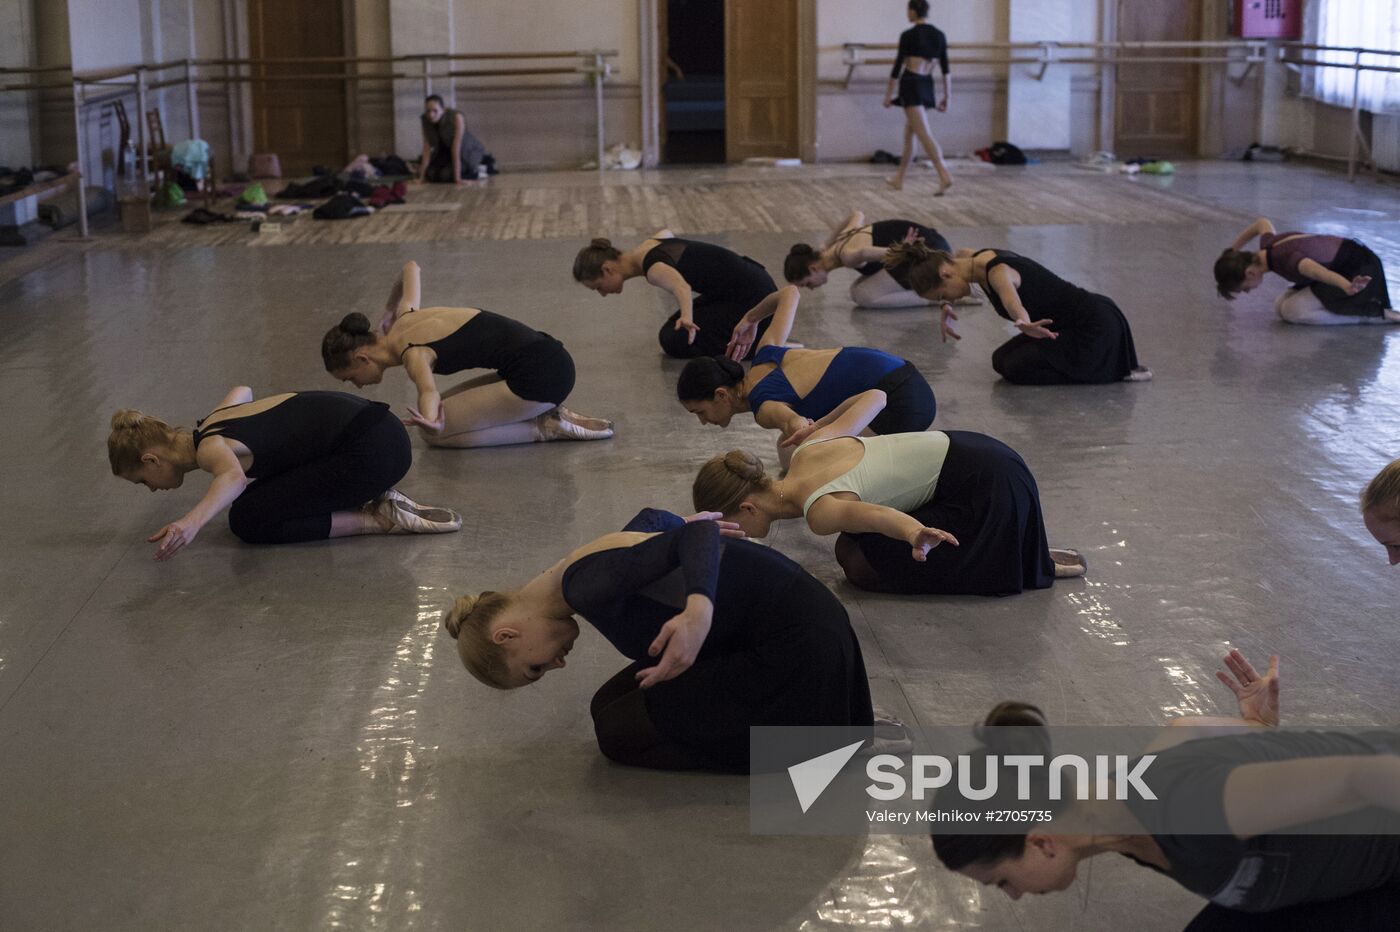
x=1372 y=24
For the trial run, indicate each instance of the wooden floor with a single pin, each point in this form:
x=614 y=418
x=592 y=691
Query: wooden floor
x=708 y=201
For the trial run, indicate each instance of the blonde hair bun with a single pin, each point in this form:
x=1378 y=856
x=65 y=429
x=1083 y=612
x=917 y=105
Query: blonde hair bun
x=127 y=419
x=459 y=612
x=744 y=464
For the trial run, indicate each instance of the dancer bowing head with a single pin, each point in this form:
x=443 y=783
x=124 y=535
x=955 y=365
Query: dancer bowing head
x=292 y=467
x=520 y=401
x=1380 y=509
x=1068 y=335
x=861 y=246
x=1335 y=280
x=712 y=286
x=723 y=634
x=947 y=512
x=797 y=391
x=1279 y=830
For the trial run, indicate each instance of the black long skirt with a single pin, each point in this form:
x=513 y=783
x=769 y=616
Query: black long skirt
x=986 y=498
x=1355 y=259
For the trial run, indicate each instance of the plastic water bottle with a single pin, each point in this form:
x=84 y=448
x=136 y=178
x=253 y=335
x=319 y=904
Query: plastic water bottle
x=130 y=185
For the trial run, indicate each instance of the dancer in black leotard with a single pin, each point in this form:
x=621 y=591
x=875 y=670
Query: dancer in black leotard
x=521 y=401
x=727 y=283
x=725 y=634
x=911 y=88
x=1281 y=831
x=293 y=467
x=861 y=246
x=1068 y=335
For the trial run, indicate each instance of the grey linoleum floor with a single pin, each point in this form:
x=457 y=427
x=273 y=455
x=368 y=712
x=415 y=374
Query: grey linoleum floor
x=282 y=738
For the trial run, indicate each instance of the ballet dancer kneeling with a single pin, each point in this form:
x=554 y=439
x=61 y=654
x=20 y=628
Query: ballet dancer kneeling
x=740 y=636
x=1380 y=509
x=293 y=467
x=945 y=512
x=793 y=390
x=522 y=401
x=727 y=285
x=1306 y=824
x=1068 y=335
x=1335 y=280
x=862 y=246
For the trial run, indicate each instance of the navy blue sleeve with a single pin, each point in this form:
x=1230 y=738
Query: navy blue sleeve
x=650 y=520
x=942 y=50
x=899 y=56
x=600 y=579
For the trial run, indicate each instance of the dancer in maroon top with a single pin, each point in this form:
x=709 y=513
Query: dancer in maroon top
x=1335 y=280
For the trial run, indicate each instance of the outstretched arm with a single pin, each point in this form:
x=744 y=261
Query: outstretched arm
x=667 y=278
x=781 y=305
x=779 y=416
x=1257 y=228
x=1320 y=273
x=215 y=456
x=1270 y=797
x=405 y=296
x=832 y=515
x=848 y=419
x=1006 y=281
x=418 y=362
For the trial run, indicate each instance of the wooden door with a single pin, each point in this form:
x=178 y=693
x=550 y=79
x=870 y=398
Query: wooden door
x=760 y=76
x=301 y=121
x=1155 y=104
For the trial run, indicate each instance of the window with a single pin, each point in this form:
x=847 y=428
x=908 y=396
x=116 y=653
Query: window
x=1372 y=24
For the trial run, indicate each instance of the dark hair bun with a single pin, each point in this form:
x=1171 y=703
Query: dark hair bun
x=355 y=323
x=802 y=250
x=601 y=242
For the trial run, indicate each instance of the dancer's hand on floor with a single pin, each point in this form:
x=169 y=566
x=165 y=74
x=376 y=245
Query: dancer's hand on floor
x=799 y=435
x=416 y=419
x=740 y=340
x=912 y=235
x=172 y=538
x=1037 y=329
x=945 y=314
x=679 y=642
x=1358 y=284
x=1257 y=695
x=726 y=528
x=926 y=538
x=690 y=327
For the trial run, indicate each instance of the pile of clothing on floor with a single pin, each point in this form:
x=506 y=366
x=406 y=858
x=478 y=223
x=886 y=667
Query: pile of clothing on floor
x=1109 y=163
x=347 y=194
x=17 y=179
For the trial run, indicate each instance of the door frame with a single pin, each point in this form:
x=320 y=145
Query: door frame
x=651 y=74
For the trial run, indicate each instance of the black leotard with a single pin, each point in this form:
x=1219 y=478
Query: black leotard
x=780 y=649
x=307 y=426
x=886 y=233
x=1095 y=343
x=728 y=286
x=921 y=41
x=534 y=365
x=716 y=273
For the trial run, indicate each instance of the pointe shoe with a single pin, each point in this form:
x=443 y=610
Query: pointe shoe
x=1070 y=570
x=887 y=736
x=554 y=427
x=894 y=185
x=405 y=516
x=582 y=420
x=1139 y=374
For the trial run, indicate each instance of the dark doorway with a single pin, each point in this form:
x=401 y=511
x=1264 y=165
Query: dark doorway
x=693 y=88
x=301 y=120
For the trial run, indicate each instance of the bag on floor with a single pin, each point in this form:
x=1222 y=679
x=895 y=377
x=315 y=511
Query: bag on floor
x=342 y=207
x=1004 y=153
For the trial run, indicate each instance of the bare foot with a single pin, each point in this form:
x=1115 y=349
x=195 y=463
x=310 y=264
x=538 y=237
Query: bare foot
x=943 y=185
x=1139 y=374
x=896 y=184
x=1068 y=563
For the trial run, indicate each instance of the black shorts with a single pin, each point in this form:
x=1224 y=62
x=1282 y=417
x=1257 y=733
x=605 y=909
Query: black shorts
x=543 y=371
x=909 y=402
x=916 y=90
